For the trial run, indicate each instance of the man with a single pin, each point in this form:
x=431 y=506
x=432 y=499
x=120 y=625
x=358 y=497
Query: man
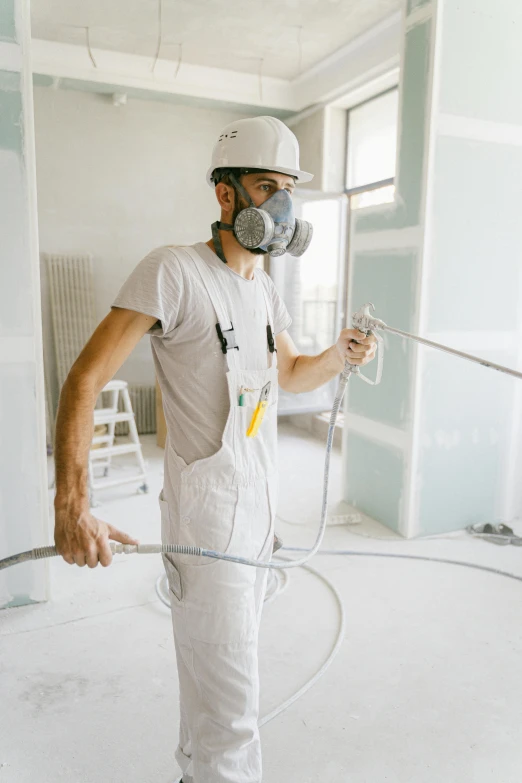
x=220 y=345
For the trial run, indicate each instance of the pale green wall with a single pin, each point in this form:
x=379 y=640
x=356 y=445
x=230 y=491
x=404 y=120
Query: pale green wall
x=463 y=282
x=414 y=90
x=482 y=78
x=20 y=490
x=10 y=111
x=463 y=429
x=7 y=21
x=23 y=491
x=477 y=241
x=414 y=4
x=389 y=281
x=374 y=478
x=466 y=437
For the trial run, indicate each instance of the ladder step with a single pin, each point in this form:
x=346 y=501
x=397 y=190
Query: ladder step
x=109 y=417
x=112 y=451
x=102 y=484
x=102 y=439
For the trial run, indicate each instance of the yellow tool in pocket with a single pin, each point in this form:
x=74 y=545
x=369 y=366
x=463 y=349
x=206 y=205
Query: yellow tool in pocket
x=257 y=416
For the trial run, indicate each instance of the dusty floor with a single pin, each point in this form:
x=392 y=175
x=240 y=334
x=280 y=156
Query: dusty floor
x=427 y=687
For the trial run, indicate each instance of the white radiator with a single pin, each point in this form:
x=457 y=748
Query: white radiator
x=71 y=290
x=143 y=401
x=72 y=307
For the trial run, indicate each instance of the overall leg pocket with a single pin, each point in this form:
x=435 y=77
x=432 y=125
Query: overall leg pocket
x=254 y=523
x=168 y=536
x=173 y=577
x=219 y=604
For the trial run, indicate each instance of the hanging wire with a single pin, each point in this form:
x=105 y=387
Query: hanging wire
x=160 y=33
x=300 y=49
x=180 y=58
x=89 y=47
x=260 y=74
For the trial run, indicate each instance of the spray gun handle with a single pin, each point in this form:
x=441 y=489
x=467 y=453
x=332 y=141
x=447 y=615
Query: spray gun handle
x=364 y=322
x=359 y=321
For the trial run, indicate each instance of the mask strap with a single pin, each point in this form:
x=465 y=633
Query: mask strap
x=240 y=189
x=219 y=226
x=216 y=227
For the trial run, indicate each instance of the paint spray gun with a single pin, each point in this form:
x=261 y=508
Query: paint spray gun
x=366 y=323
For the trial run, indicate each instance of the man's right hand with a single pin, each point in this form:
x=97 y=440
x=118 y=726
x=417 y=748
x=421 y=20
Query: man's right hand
x=82 y=539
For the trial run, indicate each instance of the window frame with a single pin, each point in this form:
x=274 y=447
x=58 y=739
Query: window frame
x=349 y=192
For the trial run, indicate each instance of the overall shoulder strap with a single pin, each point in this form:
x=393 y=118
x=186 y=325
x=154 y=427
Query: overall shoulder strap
x=224 y=326
x=270 y=329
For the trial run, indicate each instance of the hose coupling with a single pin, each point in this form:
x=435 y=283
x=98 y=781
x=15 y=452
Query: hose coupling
x=123 y=549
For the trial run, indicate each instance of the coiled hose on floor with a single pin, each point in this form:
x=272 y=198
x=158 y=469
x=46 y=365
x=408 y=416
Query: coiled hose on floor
x=282 y=562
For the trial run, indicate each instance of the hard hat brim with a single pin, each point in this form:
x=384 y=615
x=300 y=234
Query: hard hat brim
x=301 y=176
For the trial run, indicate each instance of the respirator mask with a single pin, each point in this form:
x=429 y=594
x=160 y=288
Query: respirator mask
x=272 y=227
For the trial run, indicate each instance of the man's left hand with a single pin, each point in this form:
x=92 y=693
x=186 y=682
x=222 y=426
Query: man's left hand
x=355 y=347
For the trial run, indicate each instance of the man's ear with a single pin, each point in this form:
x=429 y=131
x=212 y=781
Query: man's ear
x=225 y=195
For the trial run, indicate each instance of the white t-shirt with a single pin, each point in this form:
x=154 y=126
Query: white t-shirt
x=190 y=365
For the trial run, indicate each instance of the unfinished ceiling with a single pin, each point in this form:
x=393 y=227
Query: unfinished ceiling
x=280 y=38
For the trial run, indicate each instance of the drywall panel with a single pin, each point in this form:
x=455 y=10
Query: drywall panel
x=464 y=442
x=374 y=476
x=21 y=499
x=475 y=273
x=16 y=315
x=10 y=112
x=23 y=489
x=7 y=20
x=413 y=5
x=481 y=77
x=389 y=281
x=415 y=89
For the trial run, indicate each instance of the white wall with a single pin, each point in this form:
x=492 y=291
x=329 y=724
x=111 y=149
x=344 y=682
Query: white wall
x=322 y=146
x=117 y=182
x=310 y=132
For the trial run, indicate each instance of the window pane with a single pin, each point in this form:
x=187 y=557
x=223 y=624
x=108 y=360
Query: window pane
x=319 y=269
x=372 y=140
x=309 y=286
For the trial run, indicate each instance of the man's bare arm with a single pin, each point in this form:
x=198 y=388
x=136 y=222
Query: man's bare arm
x=301 y=373
x=80 y=537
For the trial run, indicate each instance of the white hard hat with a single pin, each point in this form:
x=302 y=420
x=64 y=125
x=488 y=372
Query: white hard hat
x=263 y=143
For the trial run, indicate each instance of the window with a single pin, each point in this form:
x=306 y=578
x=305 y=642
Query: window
x=319 y=269
x=311 y=286
x=372 y=150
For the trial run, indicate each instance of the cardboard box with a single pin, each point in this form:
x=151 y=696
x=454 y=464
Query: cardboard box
x=161 y=424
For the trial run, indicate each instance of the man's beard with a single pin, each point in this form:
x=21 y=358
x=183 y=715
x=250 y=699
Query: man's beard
x=239 y=205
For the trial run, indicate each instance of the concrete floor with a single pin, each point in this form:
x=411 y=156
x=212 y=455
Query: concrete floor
x=427 y=687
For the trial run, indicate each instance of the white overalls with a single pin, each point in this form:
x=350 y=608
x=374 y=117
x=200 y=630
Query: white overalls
x=226 y=502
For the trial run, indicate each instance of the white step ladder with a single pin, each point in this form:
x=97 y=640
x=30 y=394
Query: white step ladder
x=101 y=456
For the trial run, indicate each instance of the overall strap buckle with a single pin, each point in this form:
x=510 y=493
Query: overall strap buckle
x=227 y=343
x=270 y=338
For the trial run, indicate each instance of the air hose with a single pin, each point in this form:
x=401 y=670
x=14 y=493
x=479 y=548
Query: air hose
x=178 y=549
x=365 y=323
